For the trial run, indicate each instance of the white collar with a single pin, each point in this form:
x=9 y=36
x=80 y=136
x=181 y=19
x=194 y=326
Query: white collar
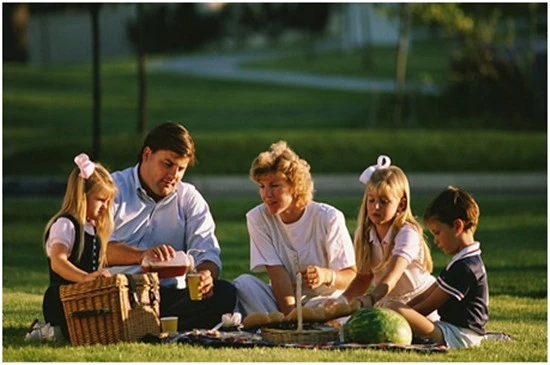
x=373 y=236
x=470 y=250
x=139 y=188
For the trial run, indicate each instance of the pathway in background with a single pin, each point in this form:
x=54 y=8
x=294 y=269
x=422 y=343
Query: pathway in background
x=325 y=185
x=227 y=66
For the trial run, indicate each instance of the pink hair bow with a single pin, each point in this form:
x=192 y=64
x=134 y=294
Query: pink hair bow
x=86 y=166
x=383 y=162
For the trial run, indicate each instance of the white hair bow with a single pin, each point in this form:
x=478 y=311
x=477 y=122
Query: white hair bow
x=383 y=162
x=86 y=166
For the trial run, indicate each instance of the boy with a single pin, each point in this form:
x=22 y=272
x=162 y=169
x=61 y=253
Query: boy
x=461 y=293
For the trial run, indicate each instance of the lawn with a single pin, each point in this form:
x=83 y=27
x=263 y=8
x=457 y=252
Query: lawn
x=512 y=233
x=427 y=62
x=47 y=121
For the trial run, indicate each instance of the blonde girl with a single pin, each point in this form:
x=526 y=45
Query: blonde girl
x=76 y=236
x=391 y=251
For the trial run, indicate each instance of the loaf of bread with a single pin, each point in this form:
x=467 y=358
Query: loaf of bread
x=342 y=309
x=256 y=319
x=309 y=314
x=259 y=319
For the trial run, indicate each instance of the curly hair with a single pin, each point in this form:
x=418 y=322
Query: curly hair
x=280 y=159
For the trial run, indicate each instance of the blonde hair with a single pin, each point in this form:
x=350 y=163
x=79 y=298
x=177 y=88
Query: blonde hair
x=280 y=159
x=387 y=181
x=75 y=204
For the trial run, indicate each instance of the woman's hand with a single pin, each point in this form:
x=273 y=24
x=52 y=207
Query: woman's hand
x=331 y=303
x=315 y=276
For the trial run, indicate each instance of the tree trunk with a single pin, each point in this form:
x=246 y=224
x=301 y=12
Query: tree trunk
x=401 y=62
x=142 y=81
x=96 y=84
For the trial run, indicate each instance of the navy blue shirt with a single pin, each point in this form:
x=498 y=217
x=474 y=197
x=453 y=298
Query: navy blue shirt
x=465 y=280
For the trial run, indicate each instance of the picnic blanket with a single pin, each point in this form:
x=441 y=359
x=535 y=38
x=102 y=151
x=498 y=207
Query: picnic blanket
x=241 y=339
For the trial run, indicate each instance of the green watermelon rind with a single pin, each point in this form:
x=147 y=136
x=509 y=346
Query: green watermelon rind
x=377 y=325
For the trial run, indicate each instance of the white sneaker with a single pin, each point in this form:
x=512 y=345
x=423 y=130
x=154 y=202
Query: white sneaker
x=42 y=331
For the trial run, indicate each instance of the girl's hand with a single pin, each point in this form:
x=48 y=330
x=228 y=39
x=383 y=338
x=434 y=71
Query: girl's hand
x=315 y=276
x=366 y=301
x=96 y=274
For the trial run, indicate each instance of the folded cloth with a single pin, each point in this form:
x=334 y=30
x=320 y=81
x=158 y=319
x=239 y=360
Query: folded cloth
x=43 y=331
x=497 y=336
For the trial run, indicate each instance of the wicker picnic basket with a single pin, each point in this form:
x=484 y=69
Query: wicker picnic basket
x=306 y=336
x=109 y=310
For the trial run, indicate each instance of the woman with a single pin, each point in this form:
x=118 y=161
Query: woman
x=291 y=233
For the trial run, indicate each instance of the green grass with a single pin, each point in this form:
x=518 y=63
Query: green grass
x=47 y=121
x=512 y=233
x=428 y=62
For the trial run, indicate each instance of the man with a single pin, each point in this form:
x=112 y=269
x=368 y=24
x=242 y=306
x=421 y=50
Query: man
x=156 y=214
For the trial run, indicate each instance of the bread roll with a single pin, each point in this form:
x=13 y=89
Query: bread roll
x=276 y=317
x=318 y=314
x=293 y=315
x=256 y=319
x=342 y=309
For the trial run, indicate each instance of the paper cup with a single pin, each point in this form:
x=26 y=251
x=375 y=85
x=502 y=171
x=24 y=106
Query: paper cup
x=169 y=324
x=193 y=283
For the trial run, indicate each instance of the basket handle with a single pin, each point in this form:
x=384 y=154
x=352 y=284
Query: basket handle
x=91 y=313
x=132 y=291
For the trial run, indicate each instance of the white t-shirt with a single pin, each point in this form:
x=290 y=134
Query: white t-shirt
x=415 y=278
x=320 y=237
x=63 y=231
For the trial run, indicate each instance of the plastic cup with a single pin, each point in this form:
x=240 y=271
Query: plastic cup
x=169 y=324
x=193 y=283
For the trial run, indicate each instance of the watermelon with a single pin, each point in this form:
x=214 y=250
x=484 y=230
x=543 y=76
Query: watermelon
x=377 y=325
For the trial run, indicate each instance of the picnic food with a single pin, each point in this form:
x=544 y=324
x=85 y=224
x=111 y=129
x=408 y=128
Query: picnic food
x=377 y=325
x=276 y=317
x=309 y=314
x=342 y=309
x=259 y=319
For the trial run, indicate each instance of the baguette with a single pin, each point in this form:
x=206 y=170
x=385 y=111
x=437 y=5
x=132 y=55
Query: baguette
x=256 y=319
x=259 y=319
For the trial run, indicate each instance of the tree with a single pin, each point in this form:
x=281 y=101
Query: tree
x=142 y=81
x=401 y=59
x=96 y=82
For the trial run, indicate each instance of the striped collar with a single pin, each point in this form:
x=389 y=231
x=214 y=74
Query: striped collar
x=470 y=250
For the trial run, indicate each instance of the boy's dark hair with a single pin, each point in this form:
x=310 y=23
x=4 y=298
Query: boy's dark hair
x=451 y=204
x=170 y=136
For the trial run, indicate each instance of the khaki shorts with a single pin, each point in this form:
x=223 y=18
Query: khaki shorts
x=458 y=337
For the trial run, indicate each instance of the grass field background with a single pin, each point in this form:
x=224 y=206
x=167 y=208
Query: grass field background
x=47 y=121
x=512 y=232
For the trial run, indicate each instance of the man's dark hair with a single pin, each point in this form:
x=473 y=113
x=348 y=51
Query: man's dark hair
x=170 y=136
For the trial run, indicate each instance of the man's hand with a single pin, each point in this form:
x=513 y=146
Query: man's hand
x=206 y=285
x=160 y=253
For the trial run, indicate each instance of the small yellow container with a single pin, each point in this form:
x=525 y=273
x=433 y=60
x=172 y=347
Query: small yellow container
x=193 y=283
x=169 y=324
